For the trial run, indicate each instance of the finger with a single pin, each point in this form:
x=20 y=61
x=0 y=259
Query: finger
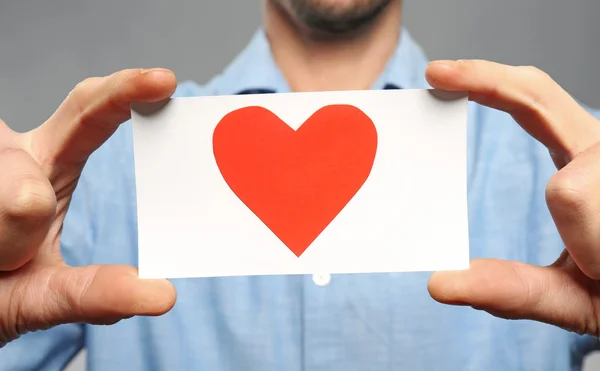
x=512 y=290
x=574 y=202
x=99 y=294
x=534 y=100
x=93 y=111
x=27 y=206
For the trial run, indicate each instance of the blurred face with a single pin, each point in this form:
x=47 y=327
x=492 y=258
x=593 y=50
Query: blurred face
x=336 y=17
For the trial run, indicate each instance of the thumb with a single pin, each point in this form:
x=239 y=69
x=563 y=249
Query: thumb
x=557 y=295
x=98 y=294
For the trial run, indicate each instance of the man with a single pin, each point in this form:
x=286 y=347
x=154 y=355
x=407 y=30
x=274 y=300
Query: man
x=346 y=322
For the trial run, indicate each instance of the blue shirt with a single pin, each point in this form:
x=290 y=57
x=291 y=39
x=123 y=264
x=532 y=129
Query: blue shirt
x=366 y=322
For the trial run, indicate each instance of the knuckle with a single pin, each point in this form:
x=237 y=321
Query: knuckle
x=538 y=84
x=5 y=131
x=534 y=73
x=13 y=264
x=466 y=65
x=592 y=271
x=125 y=75
x=85 y=86
x=566 y=192
x=33 y=200
x=84 y=91
x=83 y=94
x=132 y=72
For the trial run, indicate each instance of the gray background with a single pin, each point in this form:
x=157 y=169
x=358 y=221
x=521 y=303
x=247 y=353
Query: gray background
x=46 y=47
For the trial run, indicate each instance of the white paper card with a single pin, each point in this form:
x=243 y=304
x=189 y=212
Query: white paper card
x=227 y=194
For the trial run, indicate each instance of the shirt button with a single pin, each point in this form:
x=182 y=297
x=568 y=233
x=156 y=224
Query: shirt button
x=321 y=279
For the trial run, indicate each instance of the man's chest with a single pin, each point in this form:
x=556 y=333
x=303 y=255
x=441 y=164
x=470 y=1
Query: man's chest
x=354 y=322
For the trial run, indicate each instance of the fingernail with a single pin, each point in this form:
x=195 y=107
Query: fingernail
x=160 y=69
x=447 y=63
x=155 y=70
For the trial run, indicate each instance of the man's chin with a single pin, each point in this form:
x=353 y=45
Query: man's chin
x=325 y=22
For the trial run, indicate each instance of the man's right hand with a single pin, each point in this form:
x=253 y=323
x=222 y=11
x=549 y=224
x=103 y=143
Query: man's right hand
x=39 y=171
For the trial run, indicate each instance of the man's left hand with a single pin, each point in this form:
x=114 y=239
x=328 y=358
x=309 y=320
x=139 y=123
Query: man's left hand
x=566 y=293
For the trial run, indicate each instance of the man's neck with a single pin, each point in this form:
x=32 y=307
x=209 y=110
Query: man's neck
x=310 y=63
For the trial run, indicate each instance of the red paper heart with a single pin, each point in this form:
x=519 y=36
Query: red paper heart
x=296 y=182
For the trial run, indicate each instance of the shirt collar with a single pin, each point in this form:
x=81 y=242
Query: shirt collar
x=406 y=67
x=254 y=69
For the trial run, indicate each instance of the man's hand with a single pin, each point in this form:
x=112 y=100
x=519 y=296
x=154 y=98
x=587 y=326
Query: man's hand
x=566 y=293
x=38 y=172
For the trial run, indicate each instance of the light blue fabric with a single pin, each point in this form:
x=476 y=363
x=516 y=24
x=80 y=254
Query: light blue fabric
x=369 y=322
